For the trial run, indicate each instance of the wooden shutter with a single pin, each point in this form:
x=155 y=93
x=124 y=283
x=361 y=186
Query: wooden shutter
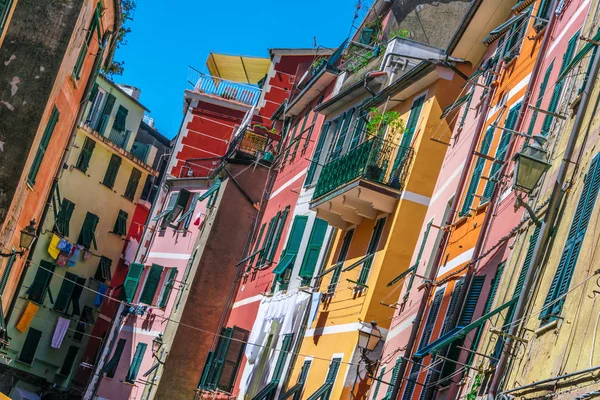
x=103 y=272
x=131 y=281
x=39 y=287
x=314 y=164
x=268 y=239
x=256 y=244
x=106 y=111
x=527 y=262
x=425 y=390
x=69 y=361
x=111 y=172
x=111 y=367
x=88 y=231
x=132 y=184
x=452 y=306
x=43 y=146
x=232 y=359
x=341 y=139
x=151 y=284
x=371 y=250
x=300 y=134
x=134 y=368
x=284 y=352
x=411 y=382
x=5 y=6
x=168 y=288
x=471 y=301
x=120 y=119
x=431 y=318
x=85 y=155
x=494 y=288
x=120 y=227
x=410 y=129
x=345 y=245
x=359 y=129
x=6 y=272
x=538 y=103
x=277 y=237
x=378 y=383
x=63 y=219
x=393 y=378
x=315 y=243
x=66 y=291
x=423 y=243
x=477 y=172
x=30 y=346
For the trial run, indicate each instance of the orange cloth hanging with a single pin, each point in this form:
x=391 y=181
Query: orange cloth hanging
x=27 y=316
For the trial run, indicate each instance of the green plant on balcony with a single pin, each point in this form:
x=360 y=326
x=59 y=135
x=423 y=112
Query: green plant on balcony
x=318 y=64
x=380 y=120
x=400 y=33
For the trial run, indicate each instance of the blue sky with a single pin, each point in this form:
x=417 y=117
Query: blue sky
x=167 y=36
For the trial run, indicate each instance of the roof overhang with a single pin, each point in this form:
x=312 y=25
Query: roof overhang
x=301 y=52
x=219 y=101
x=314 y=88
x=241 y=69
x=362 y=88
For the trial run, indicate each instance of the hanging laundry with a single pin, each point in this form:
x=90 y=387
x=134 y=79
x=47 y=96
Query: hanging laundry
x=59 y=332
x=64 y=246
x=86 y=254
x=53 y=247
x=102 y=288
x=130 y=251
x=74 y=255
x=314 y=307
x=62 y=259
x=27 y=316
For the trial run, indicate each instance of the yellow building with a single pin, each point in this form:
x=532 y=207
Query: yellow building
x=374 y=186
x=82 y=242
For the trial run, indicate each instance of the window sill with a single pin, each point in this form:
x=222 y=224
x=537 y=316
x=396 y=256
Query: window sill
x=108 y=187
x=128 y=199
x=82 y=171
x=546 y=328
x=29 y=186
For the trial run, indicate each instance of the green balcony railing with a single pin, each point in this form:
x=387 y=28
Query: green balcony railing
x=375 y=160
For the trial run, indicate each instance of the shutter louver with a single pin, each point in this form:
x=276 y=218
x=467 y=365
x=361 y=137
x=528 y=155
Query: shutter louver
x=151 y=284
x=131 y=281
x=471 y=301
x=431 y=318
x=317 y=236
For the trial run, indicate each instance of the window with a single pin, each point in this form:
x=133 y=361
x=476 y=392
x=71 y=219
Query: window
x=103 y=273
x=452 y=306
x=300 y=134
x=409 y=132
x=371 y=250
x=324 y=392
x=335 y=276
x=342 y=133
x=132 y=184
x=515 y=36
x=69 y=294
x=308 y=136
x=181 y=203
x=30 y=346
x=501 y=151
x=359 y=128
x=186 y=218
x=151 y=284
x=111 y=367
x=431 y=318
x=538 y=103
x=111 y=172
x=313 y=249
x=164 y=215
x=477 y=172
x=100 y=126
x=6 y=272
x=256 y=244
x=134 y=368
x=120 y=119
x=83 y=161
x=378 y=383
x=96 y=97
x=470 y=303
x=296 y=390
x=277 y=237
x=87 y=236
x=43 y=146
x=314 y=164
x=568 y=260
x=168 y=287
x=67 y=366
x=94 y=27
x=41 y=282
x=222 y=365
x=411 y=382
x=63 y=217
x=131 y=281
x=288 y=256
x=120 y=227
x=393 y=378
x=543 y=14
x=5 y=6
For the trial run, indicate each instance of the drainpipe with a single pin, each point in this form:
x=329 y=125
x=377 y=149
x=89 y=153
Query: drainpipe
x=550 y=221
x=446 y=235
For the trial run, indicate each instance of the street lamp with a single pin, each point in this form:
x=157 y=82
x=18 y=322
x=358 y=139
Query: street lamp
x=530 y=164
x=26 y=239
x=369 y=336
x=157 y=343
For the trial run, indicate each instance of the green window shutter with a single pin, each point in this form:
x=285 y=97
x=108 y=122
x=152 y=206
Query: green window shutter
x=300 y=134
x=134 y=368
x=106 y=111
x=206 y=371
x=63 y=218
x=431 y=318
x=423 y=243
x=411 y=382
x=413 y=122
x=343 y=131
x=335 y=275
x=69 y=361
x=293 y=243
x=527 y=263
x=87 y=236
x=131 y=281
x=151 y=284
x=315 y=243
x=111 y=367
x=308 y=136
x=452 y=306
x=333 y=370
x=515 y=38
x=284 y=352
x=83 y=161
x=132 y=184
x=477 y=172
x=359 y=129
x=120 y=119
x=30 y=346
x=120 y=227
x=568 y=260
x=278 y=232
x=39 y=287
x=5 y=6
x=111 y=172
x=371 y=250
x=43 y=146
x=493 y=289
x=103 y=272
x=588 y=70
x=6 y=272
x=168 y=288
x=393 y=378
x=228 y=356
x=93 y=92
x=268 y=240
x=538 y=103
x=314 y=164
x=471 y=301
x=66 y=292
x=378 y=384
x=256 y=244
x=94 y=25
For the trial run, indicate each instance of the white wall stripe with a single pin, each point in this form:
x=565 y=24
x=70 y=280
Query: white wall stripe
x=401 y=327
x=288 y=183
x=415 y=198
x=329 y=330
x=169 y=256
x=139 y=331
x=249 y=300
x=448 y=181
x=456 y=261
x=557 y=40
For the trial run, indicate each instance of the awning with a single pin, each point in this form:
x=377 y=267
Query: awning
x=502 y=29
x=456 y=105
x=216 y=185
x=460 y=332
x=521 y=5
x=286 y=261
x=242 y=69
x=579 y=56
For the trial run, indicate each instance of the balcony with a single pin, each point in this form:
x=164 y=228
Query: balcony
x=140 y=151
x=120 y=138
x=363 y=182
x=251 y=144
x=223 y=89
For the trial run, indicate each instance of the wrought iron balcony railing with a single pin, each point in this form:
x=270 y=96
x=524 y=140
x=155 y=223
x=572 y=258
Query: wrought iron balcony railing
x=224 y=89
x=120 y=138
x=140 y=151
x=374 y=160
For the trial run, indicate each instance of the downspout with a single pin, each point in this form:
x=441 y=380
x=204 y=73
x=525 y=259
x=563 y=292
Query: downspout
x=446 y=235
x=57 y=175
x=550 y=221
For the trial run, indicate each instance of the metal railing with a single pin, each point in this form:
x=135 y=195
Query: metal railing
x=120 y=138
x=375 y=160
x=228 y=90
x=140 y=151
x=253 y=143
